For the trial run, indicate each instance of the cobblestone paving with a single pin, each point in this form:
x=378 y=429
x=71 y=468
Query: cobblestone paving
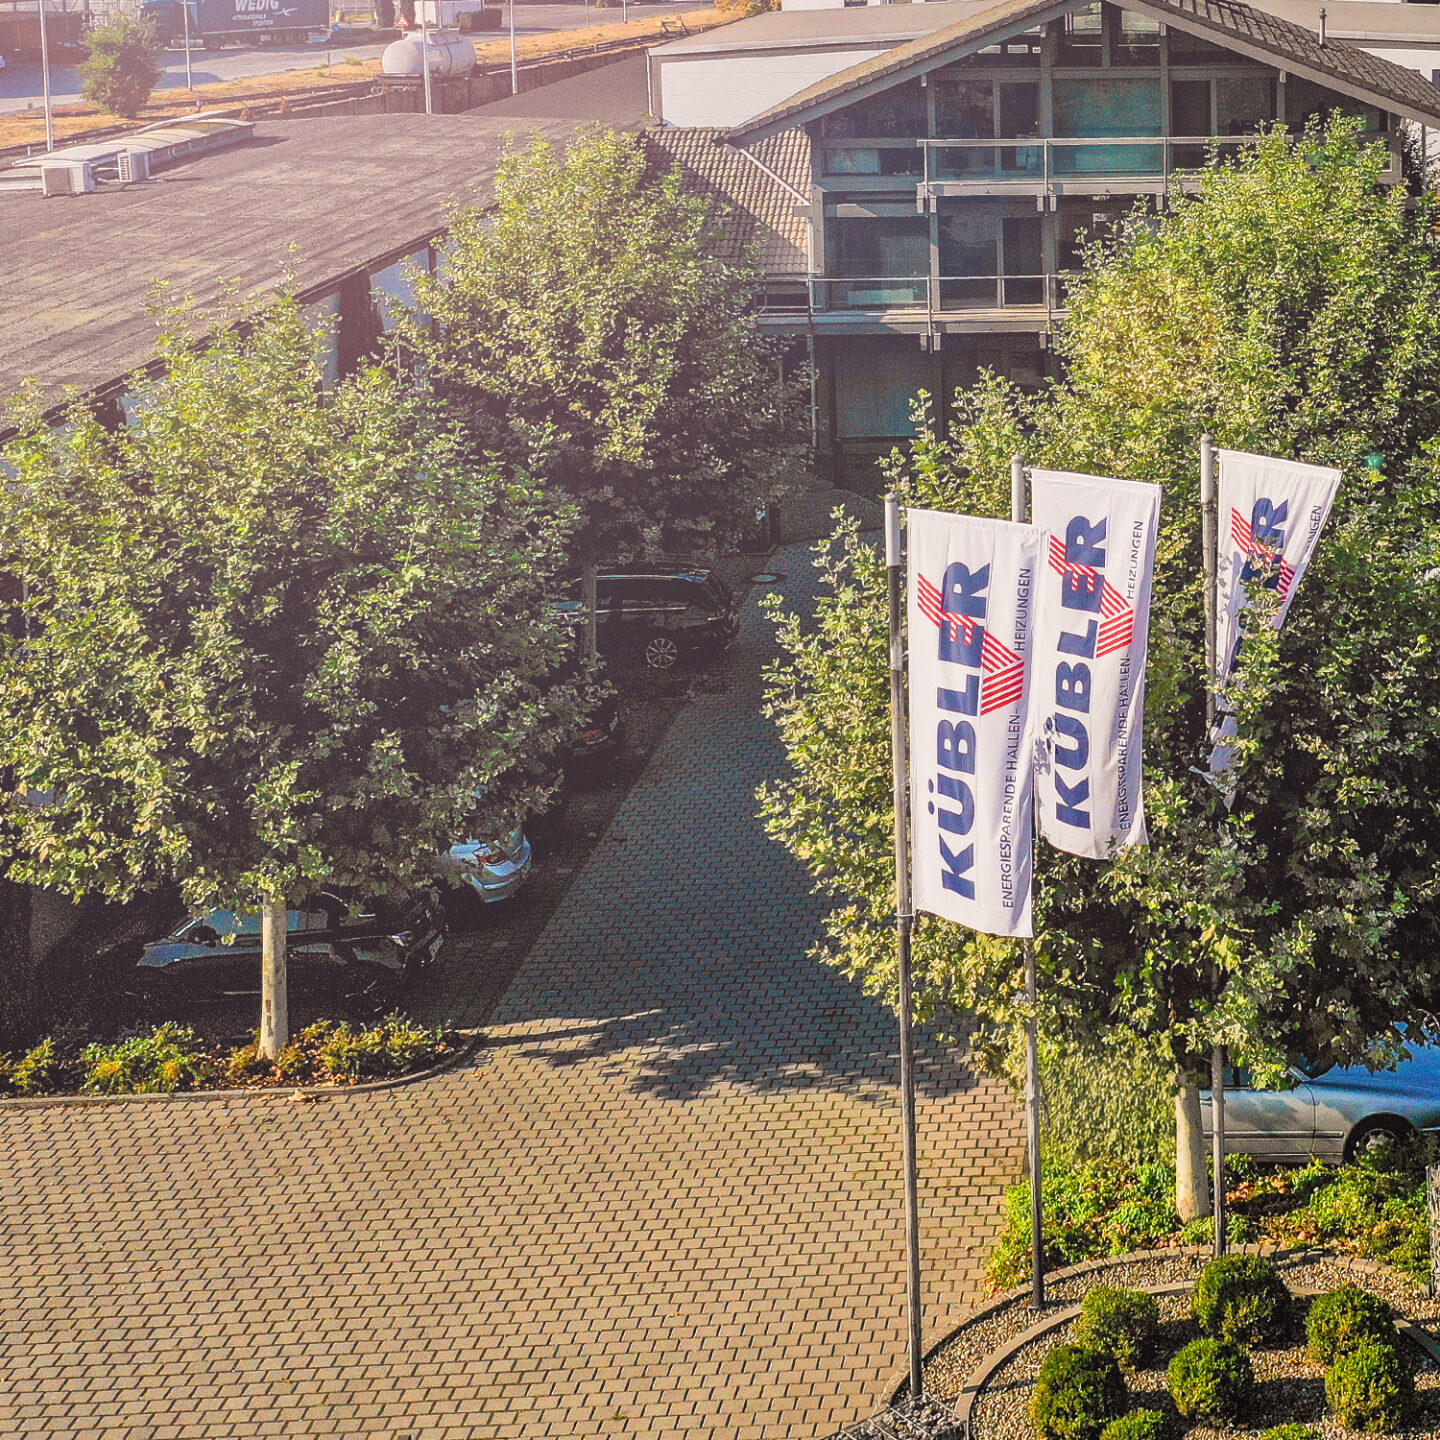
x=663 y=1201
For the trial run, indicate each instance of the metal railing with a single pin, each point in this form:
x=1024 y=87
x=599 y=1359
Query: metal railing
x=1042 y=160
x=937 y=293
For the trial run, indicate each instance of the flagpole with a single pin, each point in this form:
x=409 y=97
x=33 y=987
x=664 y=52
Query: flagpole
x=1032 y=1031
x=904 y=920
x=1210 y=543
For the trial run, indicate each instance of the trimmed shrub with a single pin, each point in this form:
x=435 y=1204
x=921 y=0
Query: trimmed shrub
x=1123 y=1323
x=1138 y=1425
x=1371 y=1388
x=1344 y=1319
x=1292 y=1432
x=1078 y=1394
x=1243 y=1298
x=1212 y=1380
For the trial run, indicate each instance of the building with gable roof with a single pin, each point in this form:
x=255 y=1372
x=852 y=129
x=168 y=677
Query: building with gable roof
x=917 y=211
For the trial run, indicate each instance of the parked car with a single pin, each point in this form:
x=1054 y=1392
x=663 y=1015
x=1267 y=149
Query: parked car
x=600 y=741
x=661 y=614
x=1333 y=1114
x=360 y=954
x=493 y=869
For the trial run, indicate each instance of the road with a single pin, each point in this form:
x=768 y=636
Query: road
x=662 y=1200
x=21 y=86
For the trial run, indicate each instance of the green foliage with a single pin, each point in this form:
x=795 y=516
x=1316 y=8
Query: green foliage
x=1242 y=1298
x=1371 y=1388
x=1212 y=1380
x=39 y=1071
x=1344 y=1319
x=1292 y=307
x=122 y=64
x=1079 y=1392
x=1090 y=1210
x=389 y=1047
x=172 y=1057
x=1123 y=1323
x=1138 y=1425
x=1292 y=1432
x=274 y=638
x=1114 y=1100
x=1375 y=1209
x=589 y=329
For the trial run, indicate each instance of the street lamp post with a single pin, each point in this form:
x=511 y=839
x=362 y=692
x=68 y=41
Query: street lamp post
x=189 y=77
x=514 y=63
x=45 y=80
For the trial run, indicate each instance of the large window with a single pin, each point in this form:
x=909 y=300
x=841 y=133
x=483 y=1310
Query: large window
x=876 y=248
x=1108 y=107
x=898 y=113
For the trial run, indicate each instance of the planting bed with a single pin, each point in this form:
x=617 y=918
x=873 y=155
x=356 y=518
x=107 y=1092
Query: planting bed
x=1290 y=1387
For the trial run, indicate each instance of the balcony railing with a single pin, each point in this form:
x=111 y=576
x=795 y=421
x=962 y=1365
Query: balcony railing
x=1042 y=161
x=944 y=292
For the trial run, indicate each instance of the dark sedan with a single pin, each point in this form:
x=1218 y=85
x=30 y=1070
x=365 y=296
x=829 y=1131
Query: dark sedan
x=359 y=955
x=660 y=614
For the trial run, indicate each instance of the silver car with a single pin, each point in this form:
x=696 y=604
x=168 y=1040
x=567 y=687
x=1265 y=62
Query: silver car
x=1333 y=1114
x=493 y=869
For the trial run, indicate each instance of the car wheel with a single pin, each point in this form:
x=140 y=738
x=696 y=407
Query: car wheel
x=661 y=652
x=1371 y=1135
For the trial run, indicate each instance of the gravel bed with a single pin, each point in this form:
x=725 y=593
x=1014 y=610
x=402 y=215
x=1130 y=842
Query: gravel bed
x=1290 y=1387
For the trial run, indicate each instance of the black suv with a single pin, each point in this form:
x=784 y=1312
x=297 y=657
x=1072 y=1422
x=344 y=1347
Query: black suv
x=660 y=613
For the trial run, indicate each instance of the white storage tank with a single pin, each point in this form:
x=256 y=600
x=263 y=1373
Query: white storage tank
x=452 y=55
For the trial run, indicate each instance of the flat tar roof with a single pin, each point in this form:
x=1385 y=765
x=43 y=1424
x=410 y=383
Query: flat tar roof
x=346 y=190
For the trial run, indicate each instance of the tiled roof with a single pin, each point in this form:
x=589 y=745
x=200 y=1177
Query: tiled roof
x=760 y=210
x=1226 y=22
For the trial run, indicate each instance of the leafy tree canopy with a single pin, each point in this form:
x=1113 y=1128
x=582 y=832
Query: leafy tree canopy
x=590 y=327
x=269 y=640
x=1291 y=307
x=122 y=64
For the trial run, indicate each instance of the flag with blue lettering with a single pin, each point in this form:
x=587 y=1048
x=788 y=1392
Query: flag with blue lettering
x=1271 y=513
x=970 y=603
x=1092 y=638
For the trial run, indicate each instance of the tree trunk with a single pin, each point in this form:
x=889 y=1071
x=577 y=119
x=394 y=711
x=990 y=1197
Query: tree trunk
x=590 y=602
x=1192 y=1185
x=274 y=998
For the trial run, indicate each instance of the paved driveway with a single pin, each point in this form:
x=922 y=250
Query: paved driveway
x=663 y=1202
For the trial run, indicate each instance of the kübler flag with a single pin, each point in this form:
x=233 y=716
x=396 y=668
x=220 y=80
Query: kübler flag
x=971 y=597
x=1093 y=630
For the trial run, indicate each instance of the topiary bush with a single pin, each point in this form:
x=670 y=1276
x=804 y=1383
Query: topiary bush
x=1344 y=1319
x=1212 y=1380
x=1371 y=1388
x=1292 y=1432
x=1138 y=1425
x=1123 y=1323
x=1243 y=1298
x=1079 y=1392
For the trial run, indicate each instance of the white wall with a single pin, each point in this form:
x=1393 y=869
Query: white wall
x=726 y=89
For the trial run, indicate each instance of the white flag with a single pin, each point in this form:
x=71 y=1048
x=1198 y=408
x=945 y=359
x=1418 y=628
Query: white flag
x=971 y=595
x=1271 y=513
x=1093 y=631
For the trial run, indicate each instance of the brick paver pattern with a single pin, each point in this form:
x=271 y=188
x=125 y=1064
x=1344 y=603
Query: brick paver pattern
x=663 y=1201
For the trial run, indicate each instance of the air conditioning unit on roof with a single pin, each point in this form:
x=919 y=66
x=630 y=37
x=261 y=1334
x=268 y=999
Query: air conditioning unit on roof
x=68 y=178
x=133 y=165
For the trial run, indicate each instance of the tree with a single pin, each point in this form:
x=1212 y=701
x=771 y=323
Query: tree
x=1292 y=307
x=273 y=640
x=122 y=64
x=589 y=327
